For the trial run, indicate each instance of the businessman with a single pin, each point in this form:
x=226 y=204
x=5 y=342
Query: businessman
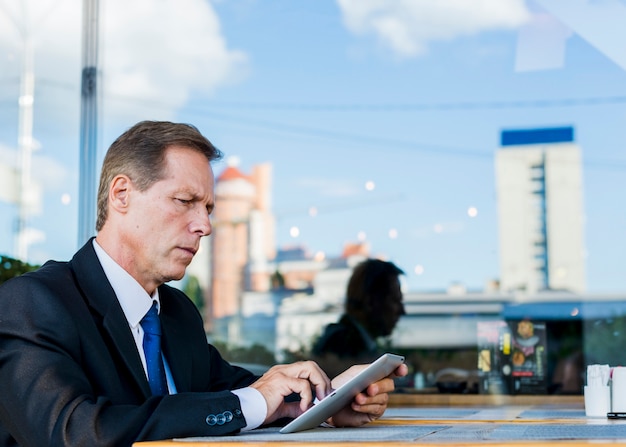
x=98 y=351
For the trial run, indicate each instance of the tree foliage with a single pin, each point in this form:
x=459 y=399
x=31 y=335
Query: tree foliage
x=255 y=353
x=10 y=268
x=194 y=291
x=604 y=341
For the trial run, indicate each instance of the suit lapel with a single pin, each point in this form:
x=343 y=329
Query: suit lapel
x=99 y=295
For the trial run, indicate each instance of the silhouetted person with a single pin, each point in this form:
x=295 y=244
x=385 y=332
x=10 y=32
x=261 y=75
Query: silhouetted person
x=372 y=309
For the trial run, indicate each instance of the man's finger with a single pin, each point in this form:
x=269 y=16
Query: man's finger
x=367 y=399
x=313 y=373
x=372 y=409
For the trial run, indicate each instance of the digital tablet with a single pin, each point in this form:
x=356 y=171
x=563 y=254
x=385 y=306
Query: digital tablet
x=342 y=396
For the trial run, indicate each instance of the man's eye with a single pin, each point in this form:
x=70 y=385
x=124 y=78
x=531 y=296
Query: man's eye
x=183 y=201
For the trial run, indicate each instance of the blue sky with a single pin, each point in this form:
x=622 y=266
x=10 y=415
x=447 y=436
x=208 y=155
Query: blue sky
x=410 y=95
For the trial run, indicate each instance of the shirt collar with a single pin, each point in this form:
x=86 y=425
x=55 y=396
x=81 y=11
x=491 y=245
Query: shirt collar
x=133 y=298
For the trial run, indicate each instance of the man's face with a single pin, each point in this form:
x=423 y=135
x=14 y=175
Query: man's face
x=525 y=329
x=388 y=311
x=396 y=309
x=164 y=224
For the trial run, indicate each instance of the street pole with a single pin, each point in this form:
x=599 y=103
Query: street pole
x=88 y=123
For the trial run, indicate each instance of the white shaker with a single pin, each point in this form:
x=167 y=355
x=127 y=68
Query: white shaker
x=618 y=389
x=597 y=401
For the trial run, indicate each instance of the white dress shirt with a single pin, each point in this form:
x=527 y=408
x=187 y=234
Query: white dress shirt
x=135 y=303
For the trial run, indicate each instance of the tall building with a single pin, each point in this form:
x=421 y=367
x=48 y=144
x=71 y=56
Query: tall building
x=540 y=210
x=243 y=240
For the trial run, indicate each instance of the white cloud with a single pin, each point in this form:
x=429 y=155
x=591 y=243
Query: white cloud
x=407 y=26
x=46 y=171
x=166 y=50
x=150 y=52
x=49 y=173
x=8 y=175
x=8 y=156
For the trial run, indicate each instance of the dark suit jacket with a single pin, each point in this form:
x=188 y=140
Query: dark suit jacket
x=70 y=373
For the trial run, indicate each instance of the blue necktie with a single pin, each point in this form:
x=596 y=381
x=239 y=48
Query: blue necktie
x=152 y=348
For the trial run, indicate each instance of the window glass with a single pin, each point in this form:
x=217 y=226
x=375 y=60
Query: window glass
x=478 y=146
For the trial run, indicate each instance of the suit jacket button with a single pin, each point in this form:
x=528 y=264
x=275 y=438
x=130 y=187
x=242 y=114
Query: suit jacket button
x=228 y=415
x=211 y=419
x=220 y=419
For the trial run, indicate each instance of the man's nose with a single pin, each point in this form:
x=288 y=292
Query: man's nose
x=202 y=224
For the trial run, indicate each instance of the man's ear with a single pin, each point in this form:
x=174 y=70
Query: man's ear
x=119 y=193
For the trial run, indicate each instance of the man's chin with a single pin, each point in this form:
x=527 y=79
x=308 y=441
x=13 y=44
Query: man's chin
x=175 y=275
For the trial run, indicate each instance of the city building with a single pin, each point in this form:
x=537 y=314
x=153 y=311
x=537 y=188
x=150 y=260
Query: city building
x=281 y=299
x=243 y=242
x=248 y=279
x=540 y=210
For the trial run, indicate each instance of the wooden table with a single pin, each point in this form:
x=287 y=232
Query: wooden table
x=419 y=420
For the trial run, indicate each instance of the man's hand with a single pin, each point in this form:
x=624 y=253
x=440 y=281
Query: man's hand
x=283 y=380
x=368 y=405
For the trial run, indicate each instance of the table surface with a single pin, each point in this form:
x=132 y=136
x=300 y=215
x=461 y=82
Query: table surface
x=453 y=420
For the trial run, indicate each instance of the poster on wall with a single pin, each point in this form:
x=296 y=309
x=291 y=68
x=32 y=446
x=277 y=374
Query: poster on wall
x=528 y=357
x=512 y=357
x=494 y=352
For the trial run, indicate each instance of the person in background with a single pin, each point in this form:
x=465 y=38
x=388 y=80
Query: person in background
x=373 y=307
x=99 y=351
